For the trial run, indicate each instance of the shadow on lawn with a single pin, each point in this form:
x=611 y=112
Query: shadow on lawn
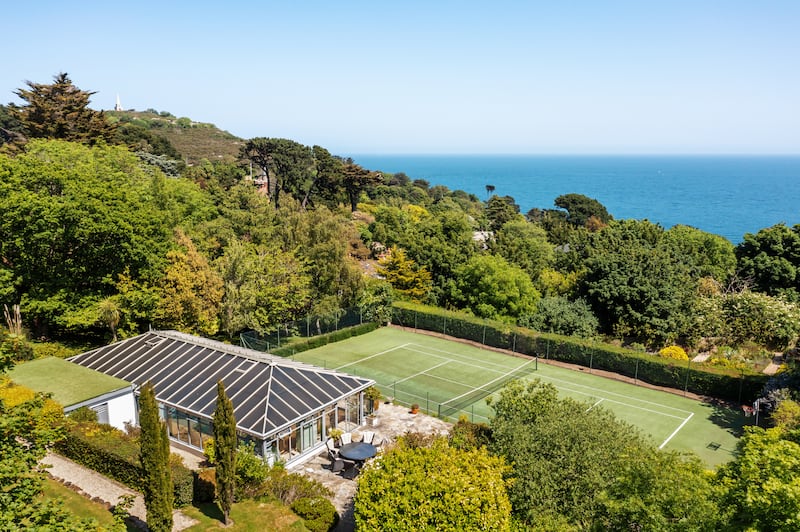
x=730 y=418
x=212 y=511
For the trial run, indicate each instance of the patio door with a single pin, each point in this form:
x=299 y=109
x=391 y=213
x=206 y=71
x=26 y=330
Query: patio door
x=308 y=434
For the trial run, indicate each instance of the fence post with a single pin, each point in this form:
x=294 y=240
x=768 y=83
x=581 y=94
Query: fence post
x=444 y=324
x=636 y=374
x=686 y=385
x=415 y=321
x=279 y=335
x=514 y=343
x=484 y=334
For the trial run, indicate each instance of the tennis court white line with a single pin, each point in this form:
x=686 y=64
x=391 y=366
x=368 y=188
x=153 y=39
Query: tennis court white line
x=372 y=356
x=606 y=399
x=594 y=405
x=423 y=372
x=486 y=384
x=463 y=356
x=465 y=363
x=604 y=392
x=685 y=421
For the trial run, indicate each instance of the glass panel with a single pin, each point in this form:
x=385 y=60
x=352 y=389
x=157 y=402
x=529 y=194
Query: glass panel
x=287 y=443
x=194 y=432
x=330 y=420
x=172 y=422
x=183 y=427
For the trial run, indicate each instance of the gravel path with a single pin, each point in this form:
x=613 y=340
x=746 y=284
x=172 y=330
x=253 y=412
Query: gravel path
x=100 y=488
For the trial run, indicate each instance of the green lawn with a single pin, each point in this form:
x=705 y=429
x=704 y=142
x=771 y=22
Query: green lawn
x=450 y=379
x=247 y=516
x=79 y=505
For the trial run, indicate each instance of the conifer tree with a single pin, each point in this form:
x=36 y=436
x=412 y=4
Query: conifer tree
x=225 y=451
x=61 y=111
x=158 y=488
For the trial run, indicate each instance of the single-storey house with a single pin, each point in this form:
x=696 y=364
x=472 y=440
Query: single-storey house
x=74 y=386
x=284 y=408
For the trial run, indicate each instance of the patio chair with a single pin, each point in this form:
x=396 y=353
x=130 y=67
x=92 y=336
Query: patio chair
x=346 y=438
x=337 y=465
x=333 y=452
x=367 y=436
x=351 y=469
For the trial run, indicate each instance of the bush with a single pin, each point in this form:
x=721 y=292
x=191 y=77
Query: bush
x=324 y=339
x=318 y=513
x=83 y=414
x=674 y=352
x=288 y=487
x=251 y=472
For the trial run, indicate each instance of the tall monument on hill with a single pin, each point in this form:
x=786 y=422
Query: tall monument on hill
x=118 y=107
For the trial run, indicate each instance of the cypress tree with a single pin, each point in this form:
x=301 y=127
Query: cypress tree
x=154 y=455
x=225 y=451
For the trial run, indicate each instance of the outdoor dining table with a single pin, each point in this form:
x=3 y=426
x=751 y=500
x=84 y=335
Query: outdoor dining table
x=357 y=451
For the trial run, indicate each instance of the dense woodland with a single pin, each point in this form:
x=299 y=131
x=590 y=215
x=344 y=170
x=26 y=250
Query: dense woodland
x=107 y=227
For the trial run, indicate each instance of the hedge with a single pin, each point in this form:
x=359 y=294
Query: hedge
x=723 y=383
x=114 y=454
x=324 y=339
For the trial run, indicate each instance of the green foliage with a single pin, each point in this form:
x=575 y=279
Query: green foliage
x=490 y=287
x=205 y=486
x=561 y=316
x=762 y=485
x=61 y=111
x=154 y=457
x=286 y=165
x=375 y=301
x=324 y=339
x=584 y=467
x=289 y=487
x=525 y=245
x=501 y=210
x=83 y=414
x=225 y=444
x=771 y=258
x=581 y=208
x=318 y=513
x=706 y=254
x=404 y=275
x=636 y=285
x=674 y=352
x=786 y=415
x=251 y=472
x=433 y=488
x=468 y=435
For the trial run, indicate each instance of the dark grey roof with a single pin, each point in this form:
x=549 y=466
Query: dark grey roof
x=268 y=393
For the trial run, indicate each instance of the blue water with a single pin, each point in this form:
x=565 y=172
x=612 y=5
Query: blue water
x=725 y=195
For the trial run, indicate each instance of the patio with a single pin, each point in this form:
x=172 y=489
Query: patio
x=391 y=421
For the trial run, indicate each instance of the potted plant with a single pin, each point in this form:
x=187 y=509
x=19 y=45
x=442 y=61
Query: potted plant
x=335 y=434
x=373 y=395
x=414 y=408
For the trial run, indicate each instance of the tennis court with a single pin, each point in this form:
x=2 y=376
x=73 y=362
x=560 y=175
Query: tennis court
x=450 y=379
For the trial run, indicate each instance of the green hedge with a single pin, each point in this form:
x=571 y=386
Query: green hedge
x=324 y=339
x=116 y=455
x=697 y=378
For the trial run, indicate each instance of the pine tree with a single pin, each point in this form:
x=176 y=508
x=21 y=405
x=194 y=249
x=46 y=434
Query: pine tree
x=61 y=111
x=158 y=489
x=225 y=451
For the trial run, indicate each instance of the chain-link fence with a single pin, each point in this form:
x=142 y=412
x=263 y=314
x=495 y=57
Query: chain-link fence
x=308 y=327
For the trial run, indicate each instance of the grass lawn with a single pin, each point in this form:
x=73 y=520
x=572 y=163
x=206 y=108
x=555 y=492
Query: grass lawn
x=247 y=516
x=449 y=379
x=79 y=505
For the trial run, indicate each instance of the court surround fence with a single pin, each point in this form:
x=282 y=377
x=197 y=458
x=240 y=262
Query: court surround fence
x=740 y=386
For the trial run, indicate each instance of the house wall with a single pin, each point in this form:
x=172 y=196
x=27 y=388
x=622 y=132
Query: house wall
x=122 y=410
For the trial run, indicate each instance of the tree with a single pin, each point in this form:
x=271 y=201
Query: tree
x=706 y=254
x=499 y=210
x=581 y=209
x=432 y=488
x=490 y=287
x=525 y=245
x=762 y=484
x=556 y=314
x=191 y=290
x=61 y=111
x=154 y=456
x=225 y=445
x=770 y=260
x=355 y=180
x=636 y=285
x=108 y=312
x=404 y=275
x=285 y=164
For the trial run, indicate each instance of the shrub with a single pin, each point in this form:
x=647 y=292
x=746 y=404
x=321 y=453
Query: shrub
x=318 y=513
x=675 y=352
x=288 y=487
x=324 y=339
x=209 y=450
x=251 y=472
x=83 y=414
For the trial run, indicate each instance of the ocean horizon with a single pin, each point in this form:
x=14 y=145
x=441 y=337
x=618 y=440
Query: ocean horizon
x=728 y=195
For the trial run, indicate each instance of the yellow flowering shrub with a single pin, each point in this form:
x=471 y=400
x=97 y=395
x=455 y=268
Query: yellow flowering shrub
x=674 y=352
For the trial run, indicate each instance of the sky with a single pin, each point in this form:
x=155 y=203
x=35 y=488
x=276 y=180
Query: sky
x=427 y=77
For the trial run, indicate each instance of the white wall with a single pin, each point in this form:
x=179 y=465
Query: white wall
x=121 y=410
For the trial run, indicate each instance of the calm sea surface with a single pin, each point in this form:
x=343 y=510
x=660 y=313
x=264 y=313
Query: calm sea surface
x=725 y=195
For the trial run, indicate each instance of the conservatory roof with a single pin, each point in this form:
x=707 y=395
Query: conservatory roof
x=268 y=393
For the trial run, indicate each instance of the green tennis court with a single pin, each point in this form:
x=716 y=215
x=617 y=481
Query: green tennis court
x=450 y=379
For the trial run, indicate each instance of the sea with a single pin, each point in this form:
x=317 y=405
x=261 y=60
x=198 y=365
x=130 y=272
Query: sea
x=725 y=195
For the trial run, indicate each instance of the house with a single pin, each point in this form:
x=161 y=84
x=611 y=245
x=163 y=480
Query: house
x=284 y=408
x=74 y=386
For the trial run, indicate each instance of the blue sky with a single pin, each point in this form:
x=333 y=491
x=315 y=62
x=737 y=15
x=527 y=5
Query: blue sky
x=579 y=77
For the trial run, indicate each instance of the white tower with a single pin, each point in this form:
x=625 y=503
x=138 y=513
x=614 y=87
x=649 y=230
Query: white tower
x=118 y=107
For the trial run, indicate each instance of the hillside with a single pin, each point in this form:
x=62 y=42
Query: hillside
x=195 y=141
